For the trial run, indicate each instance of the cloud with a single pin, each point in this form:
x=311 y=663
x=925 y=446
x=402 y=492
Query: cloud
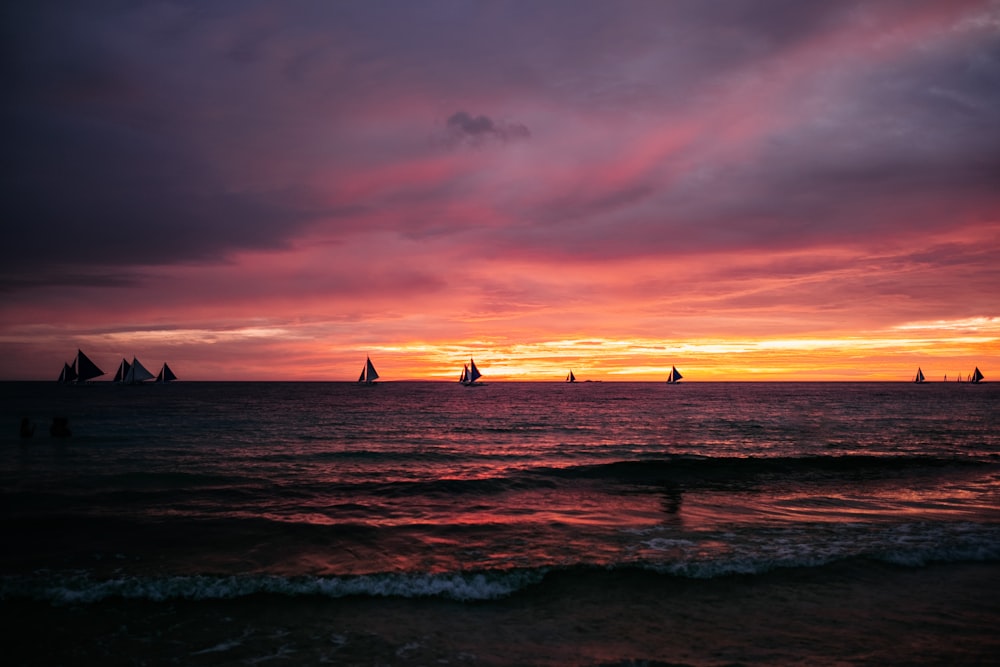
x=246 y=155
x=174 y=135
x=463 y=128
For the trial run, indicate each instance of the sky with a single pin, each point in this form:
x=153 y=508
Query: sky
x=766 y=190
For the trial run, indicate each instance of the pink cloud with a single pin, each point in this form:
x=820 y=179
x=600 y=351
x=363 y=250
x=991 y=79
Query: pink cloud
x=296 y=185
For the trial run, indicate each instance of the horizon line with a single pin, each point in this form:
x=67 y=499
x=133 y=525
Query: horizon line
x=516 y=381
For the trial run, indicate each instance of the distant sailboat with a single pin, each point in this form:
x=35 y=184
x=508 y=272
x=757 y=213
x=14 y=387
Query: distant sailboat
x=977 y=376
x=368 y=373
x=919 y=377
x=675 y=376
x=137 y=373
x=122 y=371
x=85 y=368
x=165 y=375
x=470 y=374
x=67 y=374
x=571 y=377
x=81 y=370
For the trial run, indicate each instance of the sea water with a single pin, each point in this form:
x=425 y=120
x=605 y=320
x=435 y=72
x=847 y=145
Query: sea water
x=592 y=520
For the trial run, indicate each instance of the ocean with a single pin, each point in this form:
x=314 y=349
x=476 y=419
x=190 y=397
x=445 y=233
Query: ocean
x=427 y=523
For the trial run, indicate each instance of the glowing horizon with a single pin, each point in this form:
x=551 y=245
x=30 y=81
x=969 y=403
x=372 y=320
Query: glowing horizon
x=888 y=357
x=273 y=193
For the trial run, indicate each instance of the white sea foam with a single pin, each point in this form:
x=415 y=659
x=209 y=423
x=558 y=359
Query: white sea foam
x=220 y=648
x=757 y=551
x=694 y=554
x=664 y=544
x=81 y=588
x=406 y=650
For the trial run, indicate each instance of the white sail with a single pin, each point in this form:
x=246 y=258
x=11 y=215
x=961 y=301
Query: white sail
x=137 y=373
x=470 y=374
x=368 y=373
x=122 y=371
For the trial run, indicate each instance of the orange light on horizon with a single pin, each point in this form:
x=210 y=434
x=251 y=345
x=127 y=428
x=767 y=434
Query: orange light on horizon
x=285 y=355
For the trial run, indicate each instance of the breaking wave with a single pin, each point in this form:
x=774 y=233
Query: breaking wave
x=656 y=555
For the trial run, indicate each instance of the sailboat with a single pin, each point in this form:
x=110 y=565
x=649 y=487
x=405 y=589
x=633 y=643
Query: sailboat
x=470 y=374
x=85 y=368
x=137 y=373
x=675 y=376
x=919 y=377
x=368 y=373
x=122 y=371
x=67 y=374
x=81 y=370
x=977 y=376
x=571 y=377
x=165 y=375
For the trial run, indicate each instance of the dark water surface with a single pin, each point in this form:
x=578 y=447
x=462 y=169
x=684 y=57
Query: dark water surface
x=575 y=524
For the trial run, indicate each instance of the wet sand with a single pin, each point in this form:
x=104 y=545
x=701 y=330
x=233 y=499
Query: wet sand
x=849 y=614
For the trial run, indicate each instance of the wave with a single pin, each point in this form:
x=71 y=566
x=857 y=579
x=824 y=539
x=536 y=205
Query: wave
x=761 y=550
x=688 y=472
x=675 y=557
x=81 y=588
x=680 y=472
x=689 y=465
x=684 y=469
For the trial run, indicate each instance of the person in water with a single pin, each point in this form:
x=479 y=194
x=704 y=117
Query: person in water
x=27 y=427
x=60 y=427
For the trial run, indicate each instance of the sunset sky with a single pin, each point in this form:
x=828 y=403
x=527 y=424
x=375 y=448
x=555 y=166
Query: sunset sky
x=747 y=190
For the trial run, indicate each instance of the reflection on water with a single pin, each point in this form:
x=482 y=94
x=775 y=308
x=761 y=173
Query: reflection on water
x=430 y=475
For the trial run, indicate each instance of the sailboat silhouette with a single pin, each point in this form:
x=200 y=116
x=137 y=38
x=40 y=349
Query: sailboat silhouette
x=470 y=374
x=82 y=370
x=368 y=372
